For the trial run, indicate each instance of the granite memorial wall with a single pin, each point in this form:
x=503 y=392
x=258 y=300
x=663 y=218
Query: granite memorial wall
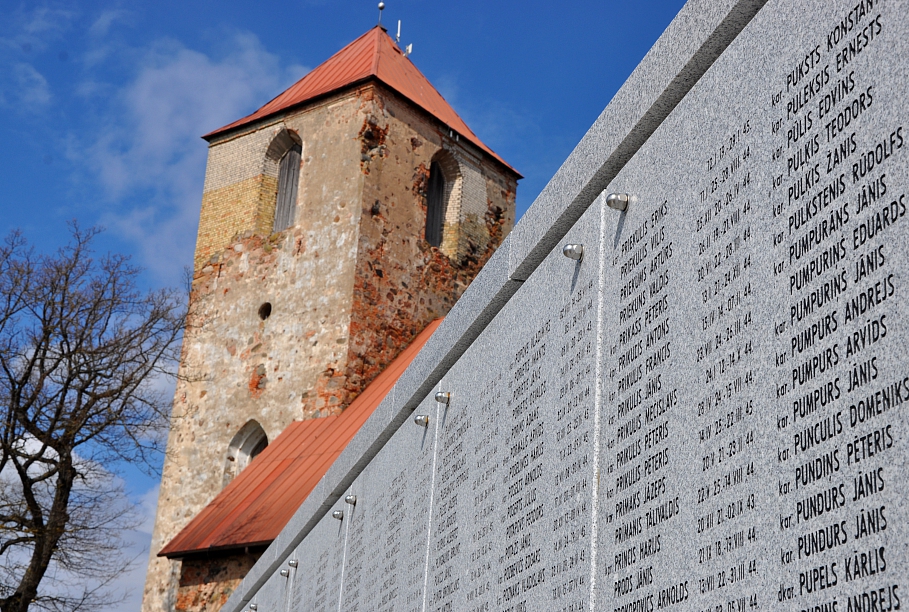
x=708 y=410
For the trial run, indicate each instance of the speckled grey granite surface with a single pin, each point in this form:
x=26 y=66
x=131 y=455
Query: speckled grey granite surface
x=517 y=451
x=705 y=412
x=317 y=584
x=772 y=202
x=388 y=528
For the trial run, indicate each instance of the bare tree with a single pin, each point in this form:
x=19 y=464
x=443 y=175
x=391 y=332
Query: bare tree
x=82 y=349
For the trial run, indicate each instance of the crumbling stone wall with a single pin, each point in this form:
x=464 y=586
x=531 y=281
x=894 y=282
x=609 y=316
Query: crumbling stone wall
x=236 y=366
x=207 y=582
x=350 y=284
x=401 y=282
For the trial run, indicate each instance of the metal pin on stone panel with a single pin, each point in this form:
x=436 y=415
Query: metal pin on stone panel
x=351 y=499
x=253 y=607
x=338 y=514
x=618 y=201
x=285 y=572
x=292 y=563
x=422 y=420
x=573 y=251
x=443 y=397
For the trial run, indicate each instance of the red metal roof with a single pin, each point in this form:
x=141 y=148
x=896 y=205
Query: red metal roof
x=374 y=55
x=259 y=502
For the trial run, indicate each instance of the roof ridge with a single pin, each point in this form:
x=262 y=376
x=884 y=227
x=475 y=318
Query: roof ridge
x=375 y=50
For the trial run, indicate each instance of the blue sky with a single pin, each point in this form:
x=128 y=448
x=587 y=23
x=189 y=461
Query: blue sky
x=102 y=104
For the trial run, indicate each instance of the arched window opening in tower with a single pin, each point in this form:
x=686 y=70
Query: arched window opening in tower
x=288 y=181
x=245 y=446
x=435 y=205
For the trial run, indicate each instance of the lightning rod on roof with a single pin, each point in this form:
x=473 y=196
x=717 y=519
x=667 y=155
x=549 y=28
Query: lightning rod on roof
x=398 y=37
x=381 y=7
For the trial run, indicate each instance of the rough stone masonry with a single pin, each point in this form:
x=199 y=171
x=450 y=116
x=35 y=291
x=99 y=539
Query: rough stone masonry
x=348 y=286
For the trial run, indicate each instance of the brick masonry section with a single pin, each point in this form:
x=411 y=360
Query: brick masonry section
x=232 y=210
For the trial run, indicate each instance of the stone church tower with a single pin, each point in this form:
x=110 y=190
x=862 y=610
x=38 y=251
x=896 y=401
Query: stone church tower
x=336 y=222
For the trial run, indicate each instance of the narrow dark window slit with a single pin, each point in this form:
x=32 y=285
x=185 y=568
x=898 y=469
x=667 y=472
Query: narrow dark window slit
x=435 y=205
x=288 y=180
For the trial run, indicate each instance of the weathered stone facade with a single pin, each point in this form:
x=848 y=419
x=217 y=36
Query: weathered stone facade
x=349 y=284
x=207 y=582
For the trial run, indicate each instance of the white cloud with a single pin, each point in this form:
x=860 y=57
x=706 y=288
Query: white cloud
x=148 y=505
x=31 y=88
x=32 y=30
x=150 y=151
x=45 y=20
x=102 y=24
x=23 y=36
